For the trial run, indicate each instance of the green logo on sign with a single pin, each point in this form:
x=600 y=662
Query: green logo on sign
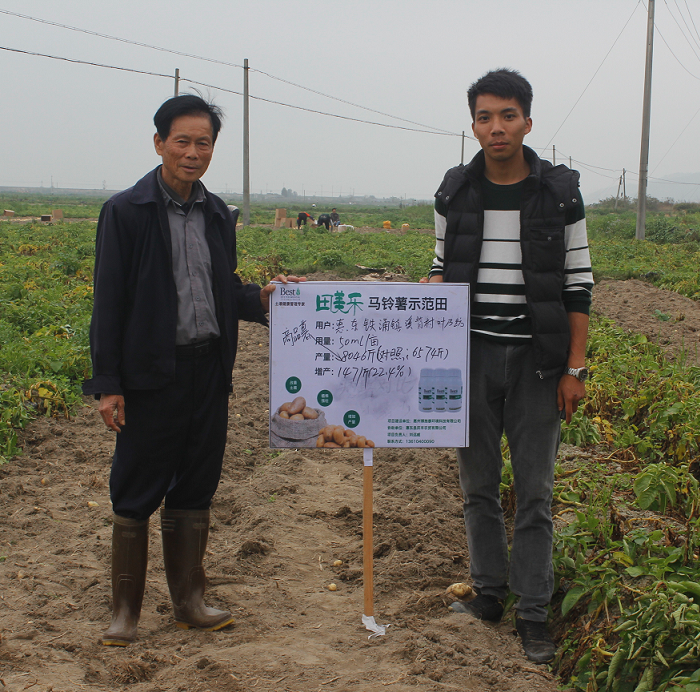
x=339 y=302
x=293 y=385
x=324 y=398
x=351 y=419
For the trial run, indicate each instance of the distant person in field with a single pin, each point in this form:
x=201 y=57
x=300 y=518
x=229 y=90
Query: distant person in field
x=325 y=220
x=513 y=226
x=163 y=342
x=335 y=217
x=303 y=218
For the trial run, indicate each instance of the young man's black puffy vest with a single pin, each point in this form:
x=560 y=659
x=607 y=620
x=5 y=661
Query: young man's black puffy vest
x=548 y=193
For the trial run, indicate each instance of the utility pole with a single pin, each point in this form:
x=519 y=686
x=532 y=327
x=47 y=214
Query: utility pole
x=624 y=185
x=617 y=196
x=246 y=148
x=646 y=121
x=462 y=160
x=177 y=81
x=554 y=155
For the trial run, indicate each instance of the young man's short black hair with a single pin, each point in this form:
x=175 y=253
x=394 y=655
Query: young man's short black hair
x=187 y=104
x=506 y=84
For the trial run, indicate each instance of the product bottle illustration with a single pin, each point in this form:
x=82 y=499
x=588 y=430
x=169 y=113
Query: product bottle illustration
x=454 y=389
x=441 y=388
x=426 y=390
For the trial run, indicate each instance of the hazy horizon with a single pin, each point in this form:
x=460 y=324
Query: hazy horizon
x=87 y=127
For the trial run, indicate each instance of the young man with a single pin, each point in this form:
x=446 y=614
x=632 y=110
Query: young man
x=163 y=341
x=335 y=217
x=513 y=227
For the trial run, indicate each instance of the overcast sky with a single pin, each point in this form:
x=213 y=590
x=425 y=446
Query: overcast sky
x=89 y=127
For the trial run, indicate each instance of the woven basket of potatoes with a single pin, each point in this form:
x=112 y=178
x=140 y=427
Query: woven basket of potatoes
x=294 y=424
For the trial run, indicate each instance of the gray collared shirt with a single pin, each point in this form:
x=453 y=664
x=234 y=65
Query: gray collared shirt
x=196 y=315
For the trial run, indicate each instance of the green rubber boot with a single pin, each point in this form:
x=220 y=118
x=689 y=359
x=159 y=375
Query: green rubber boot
x=185 y=535
x=129 y=562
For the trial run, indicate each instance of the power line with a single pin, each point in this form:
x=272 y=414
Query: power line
x=591 y=79
x=85 y=62
x=692 y=21
x=230 y=91
x=671 y=50
x=674 y=55
x=665 y=180
x=675 y=140
x=680 y=28
x=590 y=170
x=690 y=31
x=350 y=103
x=311 y=110
x=590 y=165
x=675 y=182
x=117 y=38
x=219 y=62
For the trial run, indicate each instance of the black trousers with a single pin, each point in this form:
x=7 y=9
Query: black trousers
x=172 y=445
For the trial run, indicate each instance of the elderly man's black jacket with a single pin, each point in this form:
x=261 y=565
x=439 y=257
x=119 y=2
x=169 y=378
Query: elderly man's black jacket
x=134 y=318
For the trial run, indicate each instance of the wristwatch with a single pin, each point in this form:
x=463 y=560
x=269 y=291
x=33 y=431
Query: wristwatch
x=581 y=374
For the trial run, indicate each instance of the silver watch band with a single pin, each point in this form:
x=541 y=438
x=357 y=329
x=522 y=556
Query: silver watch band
x=579 y=373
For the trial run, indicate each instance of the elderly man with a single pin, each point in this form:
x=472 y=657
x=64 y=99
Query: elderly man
x=163 y=341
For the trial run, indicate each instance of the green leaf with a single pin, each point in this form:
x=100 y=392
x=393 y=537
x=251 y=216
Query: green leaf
x=670 y=491
x=566 y=560
x=615 y=664
x=646 y=498
x=635 y=571
x=621 y=557
x=572 y=598
x=641 y=483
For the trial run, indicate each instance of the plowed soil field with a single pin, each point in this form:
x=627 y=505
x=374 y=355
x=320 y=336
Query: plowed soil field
x=280 y=520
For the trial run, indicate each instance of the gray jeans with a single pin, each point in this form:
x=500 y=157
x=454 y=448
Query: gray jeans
x=507 y=395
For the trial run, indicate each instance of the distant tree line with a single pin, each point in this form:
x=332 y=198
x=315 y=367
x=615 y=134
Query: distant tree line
x=668 y=205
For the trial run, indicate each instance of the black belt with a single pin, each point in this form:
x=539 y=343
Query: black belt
x=197 y=350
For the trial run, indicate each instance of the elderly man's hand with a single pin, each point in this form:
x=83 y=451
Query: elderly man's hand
x=111 y=409
x=265 y=292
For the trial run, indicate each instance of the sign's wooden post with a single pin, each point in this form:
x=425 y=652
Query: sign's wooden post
x=367 y=532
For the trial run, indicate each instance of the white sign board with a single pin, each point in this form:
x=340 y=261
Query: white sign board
x=378 y=364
